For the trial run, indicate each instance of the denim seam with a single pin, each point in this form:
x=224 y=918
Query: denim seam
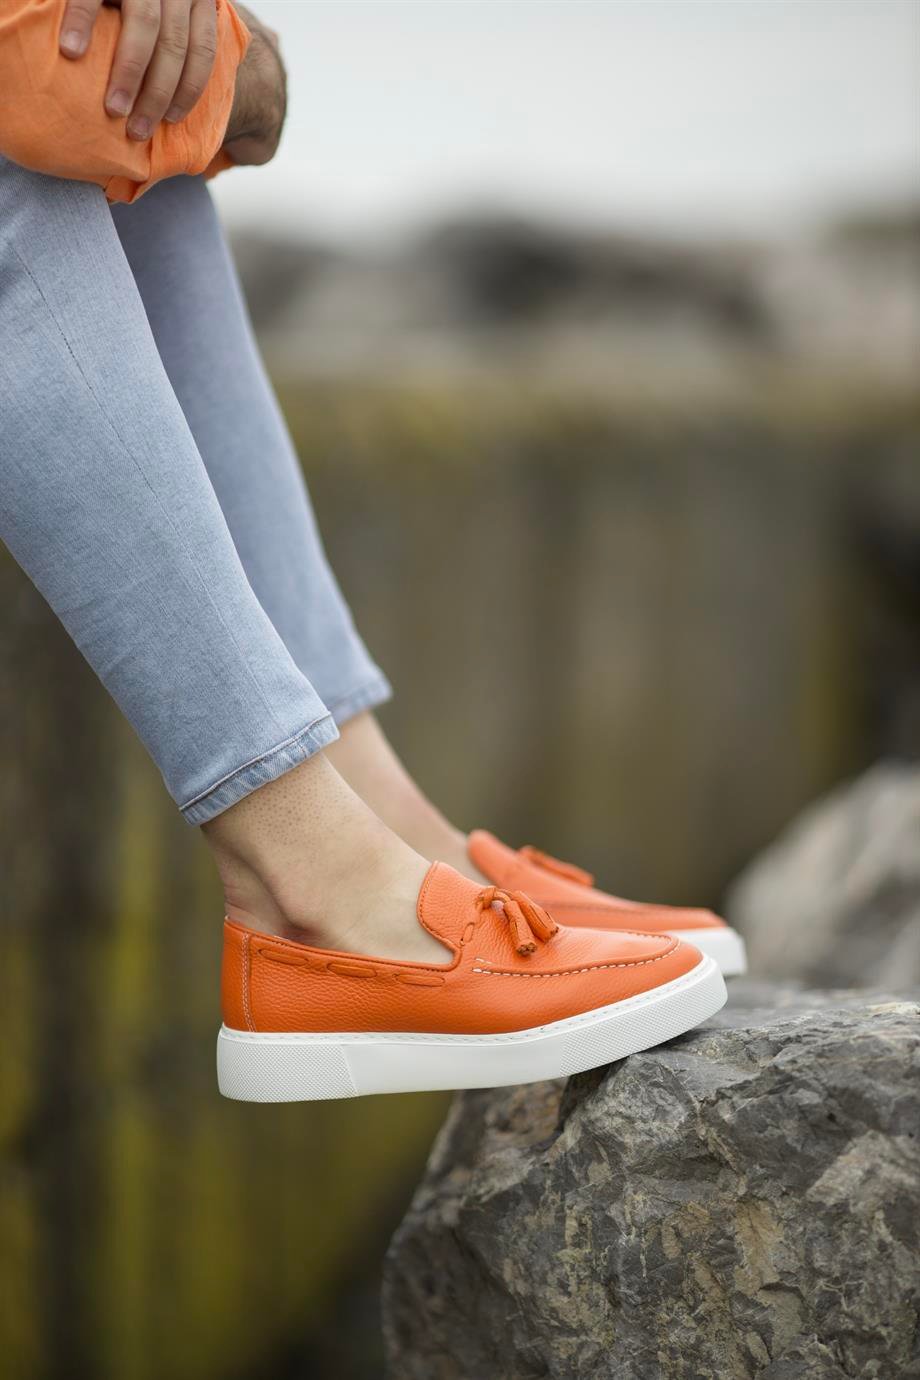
x=144 y=476
x=254 y=762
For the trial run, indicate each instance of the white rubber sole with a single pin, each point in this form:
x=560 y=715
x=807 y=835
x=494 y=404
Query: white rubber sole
x=725 y=945
x=257 y=1067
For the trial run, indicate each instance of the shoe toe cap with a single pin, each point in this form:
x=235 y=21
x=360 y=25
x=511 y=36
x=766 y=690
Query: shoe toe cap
x=633 y=949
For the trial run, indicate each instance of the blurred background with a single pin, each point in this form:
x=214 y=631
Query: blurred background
x=598 y=329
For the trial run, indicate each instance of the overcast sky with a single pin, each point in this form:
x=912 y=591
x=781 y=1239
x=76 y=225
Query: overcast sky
x=687 y=115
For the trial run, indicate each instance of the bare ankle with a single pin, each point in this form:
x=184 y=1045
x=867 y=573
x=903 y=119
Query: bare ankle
x=305 y=856
x=369 y=764
x=249 y=902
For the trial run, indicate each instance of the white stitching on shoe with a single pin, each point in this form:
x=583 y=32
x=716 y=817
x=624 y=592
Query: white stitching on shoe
x=247 y=1010
x=573 y=972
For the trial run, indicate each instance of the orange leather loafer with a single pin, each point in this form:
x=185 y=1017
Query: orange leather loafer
x=569 y=894
x=521 y=999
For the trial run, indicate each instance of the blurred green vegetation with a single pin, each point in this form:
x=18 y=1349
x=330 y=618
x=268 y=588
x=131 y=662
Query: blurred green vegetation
x=640 y=635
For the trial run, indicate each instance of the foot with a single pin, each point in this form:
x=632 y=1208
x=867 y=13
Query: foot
x=570 y=895
x=303 y=1022
x=304 y=857
x=372 y=911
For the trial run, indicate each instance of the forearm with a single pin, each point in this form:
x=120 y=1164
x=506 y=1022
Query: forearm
x=52 y=116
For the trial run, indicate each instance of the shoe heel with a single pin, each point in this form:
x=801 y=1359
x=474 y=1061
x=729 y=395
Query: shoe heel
x=275 y=1068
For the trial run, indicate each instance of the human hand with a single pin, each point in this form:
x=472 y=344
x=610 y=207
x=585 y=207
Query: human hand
x=260 y=101
x=162 y=62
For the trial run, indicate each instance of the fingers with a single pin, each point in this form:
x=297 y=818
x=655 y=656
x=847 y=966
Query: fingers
x=77 y=26
x=202 y=50
x=164 y=71
x=140 y=27
x=165 y=53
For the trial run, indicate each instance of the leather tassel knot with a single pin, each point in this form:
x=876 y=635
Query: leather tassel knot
x=530 y=923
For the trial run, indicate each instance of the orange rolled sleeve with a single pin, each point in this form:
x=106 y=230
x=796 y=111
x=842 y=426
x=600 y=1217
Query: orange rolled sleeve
x=52 y=113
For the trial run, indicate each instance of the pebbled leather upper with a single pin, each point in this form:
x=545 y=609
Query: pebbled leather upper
x=272 y=984
x=573 y=902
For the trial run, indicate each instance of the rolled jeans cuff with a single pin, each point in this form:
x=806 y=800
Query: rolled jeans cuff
x=376 y=690
x=258 y=772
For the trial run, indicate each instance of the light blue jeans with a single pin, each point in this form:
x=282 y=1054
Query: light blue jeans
x=149 y=487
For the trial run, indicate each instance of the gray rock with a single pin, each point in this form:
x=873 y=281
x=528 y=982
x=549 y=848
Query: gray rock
x=744 y=1201
x=836 y=900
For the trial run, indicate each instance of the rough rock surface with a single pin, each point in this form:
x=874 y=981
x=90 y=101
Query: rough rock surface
x=744 y=1201
x=836 y=900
